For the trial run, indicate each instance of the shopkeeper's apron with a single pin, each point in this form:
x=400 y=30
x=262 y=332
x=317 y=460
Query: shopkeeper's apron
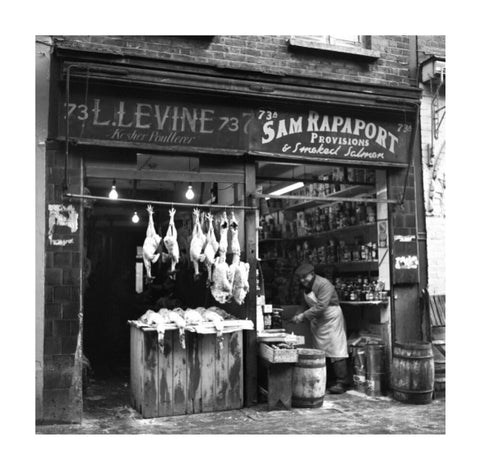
x=329 y=330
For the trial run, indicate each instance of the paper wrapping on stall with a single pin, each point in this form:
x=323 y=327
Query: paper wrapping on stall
x=229 y=325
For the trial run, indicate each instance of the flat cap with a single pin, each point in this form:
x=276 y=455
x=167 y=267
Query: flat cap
x=304 y=269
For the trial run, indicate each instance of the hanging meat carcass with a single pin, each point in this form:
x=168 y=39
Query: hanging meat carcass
x=221 y=287
x=151 y=244
x=170 y=242
x=239 y=270
x=211 y=248
x=197 y=243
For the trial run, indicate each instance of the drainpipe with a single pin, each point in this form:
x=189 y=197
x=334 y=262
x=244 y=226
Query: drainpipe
x=420 y=197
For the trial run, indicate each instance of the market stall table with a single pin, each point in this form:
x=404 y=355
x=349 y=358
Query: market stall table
x=205 y=376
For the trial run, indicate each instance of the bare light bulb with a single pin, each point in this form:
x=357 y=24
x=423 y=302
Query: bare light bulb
x=135 y=218
x=113 y=193
x=190 y=194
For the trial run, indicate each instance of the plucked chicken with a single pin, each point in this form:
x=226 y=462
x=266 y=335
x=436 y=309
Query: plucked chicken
x=221 y=287
x=240 y=285
x=158 y=321
x=197 y=243
x=223 y=244
x=176 y=316
x=151 y=244
x=234 y=232
x=239 y=270
x=170 y=242
x=217 y=321
x=211 y=248
x=192 y=317
x=221 y=312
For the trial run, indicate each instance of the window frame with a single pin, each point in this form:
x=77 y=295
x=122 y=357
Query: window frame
x=337 y=45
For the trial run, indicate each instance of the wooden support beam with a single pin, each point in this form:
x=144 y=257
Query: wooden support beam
x=250 y=345
x=156 y=175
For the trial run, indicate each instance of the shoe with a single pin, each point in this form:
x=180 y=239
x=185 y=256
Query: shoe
x=338 y=388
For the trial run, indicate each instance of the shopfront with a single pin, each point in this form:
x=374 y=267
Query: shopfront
x=240 y=147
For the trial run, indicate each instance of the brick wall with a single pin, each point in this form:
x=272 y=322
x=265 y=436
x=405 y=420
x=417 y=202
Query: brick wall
x=62 y=397
x=268 y=54
x=431 y=45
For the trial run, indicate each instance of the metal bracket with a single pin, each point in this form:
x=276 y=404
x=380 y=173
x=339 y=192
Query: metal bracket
x=437 y=111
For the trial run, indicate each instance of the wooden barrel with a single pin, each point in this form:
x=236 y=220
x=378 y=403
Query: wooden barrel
x=413 y=372
x=309 y=378
x=359 y=364
x=375 y=358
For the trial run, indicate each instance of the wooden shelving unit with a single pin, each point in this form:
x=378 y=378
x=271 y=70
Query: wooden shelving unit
x=346 y=229
x=348 y=192
x=353 y=266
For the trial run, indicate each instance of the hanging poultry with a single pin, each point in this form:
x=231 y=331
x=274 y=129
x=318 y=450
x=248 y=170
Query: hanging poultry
x=197 y=243
x=171 y=244
x=211 y=248
x=221 y=288
x=150 y=245
x=239 y=270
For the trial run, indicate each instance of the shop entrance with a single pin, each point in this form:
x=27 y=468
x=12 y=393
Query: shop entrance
x=116 y=288
x=331 y=217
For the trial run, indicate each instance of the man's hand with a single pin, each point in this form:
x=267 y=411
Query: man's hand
x=297 y=318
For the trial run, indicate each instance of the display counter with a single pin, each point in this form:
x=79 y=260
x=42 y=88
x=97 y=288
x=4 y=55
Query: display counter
x=205 y=376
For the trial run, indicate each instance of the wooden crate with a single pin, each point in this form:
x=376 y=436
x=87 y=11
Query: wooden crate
x=203 y=377
x=278 y=355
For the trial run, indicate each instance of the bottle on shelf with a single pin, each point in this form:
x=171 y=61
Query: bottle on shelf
x=360 y=289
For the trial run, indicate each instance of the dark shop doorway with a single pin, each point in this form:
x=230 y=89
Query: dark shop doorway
x=112 y=295
x=116 y=288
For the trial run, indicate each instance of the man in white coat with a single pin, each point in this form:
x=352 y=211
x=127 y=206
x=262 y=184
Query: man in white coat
x=326 y=322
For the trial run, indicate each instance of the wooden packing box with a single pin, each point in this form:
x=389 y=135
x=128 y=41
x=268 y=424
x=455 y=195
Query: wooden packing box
x=200 y=378
x=278 y=355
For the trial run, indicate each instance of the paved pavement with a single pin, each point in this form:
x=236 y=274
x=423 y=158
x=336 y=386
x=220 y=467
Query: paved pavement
x=108 y=411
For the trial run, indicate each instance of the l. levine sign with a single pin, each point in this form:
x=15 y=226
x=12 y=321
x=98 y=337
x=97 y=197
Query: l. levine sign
x=152 y=123
x=334 y=137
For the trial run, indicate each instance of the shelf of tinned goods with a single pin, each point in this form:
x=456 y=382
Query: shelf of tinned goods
x=359 y=227
x=347 y=192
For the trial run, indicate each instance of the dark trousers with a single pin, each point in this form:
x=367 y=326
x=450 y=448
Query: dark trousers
x=337 y=371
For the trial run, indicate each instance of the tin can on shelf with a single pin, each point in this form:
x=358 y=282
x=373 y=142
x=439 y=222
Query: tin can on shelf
x=267 y=320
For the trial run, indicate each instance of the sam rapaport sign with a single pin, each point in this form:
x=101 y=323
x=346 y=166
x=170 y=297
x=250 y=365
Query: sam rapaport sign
x=331 y=136
x=154 y=123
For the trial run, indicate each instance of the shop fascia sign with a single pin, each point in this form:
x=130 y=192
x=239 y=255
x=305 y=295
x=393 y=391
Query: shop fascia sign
x=152 y=123
x=332 y=136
